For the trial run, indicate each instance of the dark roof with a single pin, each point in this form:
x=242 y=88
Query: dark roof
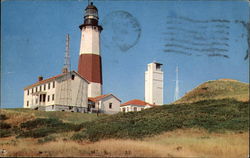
x=157 y=63
x=137 y=102
x=51 y=79
x=91 y=6
x=96 y=99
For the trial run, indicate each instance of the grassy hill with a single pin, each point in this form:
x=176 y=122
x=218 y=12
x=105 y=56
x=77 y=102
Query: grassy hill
x=214 y=106
x=217 y=89
x=211 y=115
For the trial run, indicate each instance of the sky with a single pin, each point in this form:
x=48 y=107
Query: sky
x=207 y=40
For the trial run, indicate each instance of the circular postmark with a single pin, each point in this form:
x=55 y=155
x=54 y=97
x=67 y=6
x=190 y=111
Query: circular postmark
x=121 y=30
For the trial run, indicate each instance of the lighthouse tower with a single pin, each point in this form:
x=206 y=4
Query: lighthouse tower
x=90 y=62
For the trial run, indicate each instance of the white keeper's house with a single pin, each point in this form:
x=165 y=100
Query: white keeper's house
x=64 y=92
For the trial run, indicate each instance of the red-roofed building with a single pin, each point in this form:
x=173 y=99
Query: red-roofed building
x=64 y=92
x=107 y=103
x=135 y=105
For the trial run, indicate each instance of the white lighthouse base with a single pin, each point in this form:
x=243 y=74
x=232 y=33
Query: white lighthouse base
x=94 y=89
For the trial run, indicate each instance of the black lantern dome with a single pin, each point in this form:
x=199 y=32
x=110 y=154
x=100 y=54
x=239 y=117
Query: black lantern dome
x=91 y=16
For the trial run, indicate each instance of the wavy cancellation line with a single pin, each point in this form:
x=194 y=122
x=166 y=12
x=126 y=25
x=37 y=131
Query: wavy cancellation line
x=212 y=37
x=200 y=21
x=201 y=32
x=208 y=44
x=211 y=49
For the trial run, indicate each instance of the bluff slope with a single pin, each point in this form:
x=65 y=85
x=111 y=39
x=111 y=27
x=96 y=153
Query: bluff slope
x=217 y=89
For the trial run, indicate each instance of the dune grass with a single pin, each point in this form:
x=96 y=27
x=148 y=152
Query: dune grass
x=177 y=143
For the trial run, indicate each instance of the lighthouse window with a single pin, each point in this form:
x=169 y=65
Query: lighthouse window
x=72 y=77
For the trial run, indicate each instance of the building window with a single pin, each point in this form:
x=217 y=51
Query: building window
x=36 y=89
x=27 y=92
x=32 y=90
x=124 y=109
x=127 y=109
x=40 y=98
x=53 y=97
x=44 y=97
x=27 y=103
x=72 y=77
x=44 y=87
x=48 y=85
x=52 y=106
x=40 y=88
x=110 y=105
x=48 y=98
x=135 y=108
x=54 y=84
x=36 y=100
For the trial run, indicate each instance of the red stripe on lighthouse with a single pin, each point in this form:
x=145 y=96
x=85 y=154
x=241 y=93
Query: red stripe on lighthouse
x=90 y=67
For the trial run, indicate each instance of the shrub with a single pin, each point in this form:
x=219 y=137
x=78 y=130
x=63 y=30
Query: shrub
x=3 y=117
x=4 y=125
x=47 y=122
x=79 y=136
x=5 y=133
x=42 y=127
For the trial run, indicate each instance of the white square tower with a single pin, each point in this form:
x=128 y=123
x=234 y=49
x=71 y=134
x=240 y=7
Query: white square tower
x=154 y=84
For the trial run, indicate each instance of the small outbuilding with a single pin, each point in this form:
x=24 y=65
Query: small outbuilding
x=135 y=105
x=107 y=103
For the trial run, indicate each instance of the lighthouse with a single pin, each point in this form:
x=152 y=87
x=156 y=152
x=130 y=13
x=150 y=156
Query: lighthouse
x=90 y=62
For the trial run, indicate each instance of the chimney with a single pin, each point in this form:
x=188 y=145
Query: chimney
x=40 y=78
x=65 y=70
